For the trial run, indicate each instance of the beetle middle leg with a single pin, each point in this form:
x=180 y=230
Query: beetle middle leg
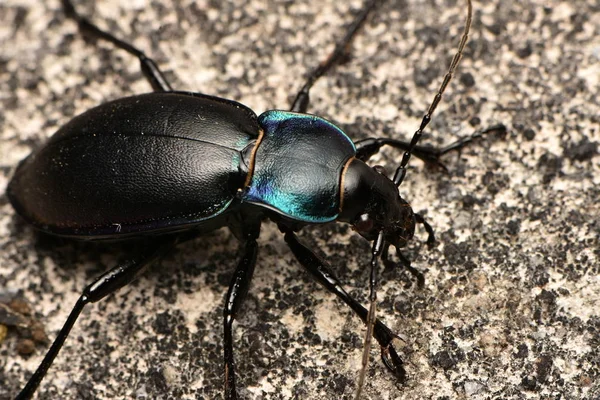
x=321 y=271
x=238 y=288
x=149 y=68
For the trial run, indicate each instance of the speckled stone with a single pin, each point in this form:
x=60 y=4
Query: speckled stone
x=510 y=306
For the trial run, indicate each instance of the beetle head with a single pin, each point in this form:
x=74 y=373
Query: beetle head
x=371 y=203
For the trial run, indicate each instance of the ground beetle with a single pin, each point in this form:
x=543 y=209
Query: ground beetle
x=168 y=166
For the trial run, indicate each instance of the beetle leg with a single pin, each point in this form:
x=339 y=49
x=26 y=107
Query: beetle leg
x=430 y=235
x=321 y=271
x=366 y=148
x=415 y=272
x=406 y=264
x=149 y=68
x=107 y=283
x=238 y=288
x=341 y=49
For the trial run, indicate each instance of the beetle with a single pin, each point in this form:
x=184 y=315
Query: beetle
x=169 y=165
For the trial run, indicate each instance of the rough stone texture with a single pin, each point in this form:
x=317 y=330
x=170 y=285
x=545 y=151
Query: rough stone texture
x=510 y=307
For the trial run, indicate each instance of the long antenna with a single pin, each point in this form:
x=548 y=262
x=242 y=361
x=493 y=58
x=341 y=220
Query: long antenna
x=399 y=175
x=401 y=171
x=378 y=246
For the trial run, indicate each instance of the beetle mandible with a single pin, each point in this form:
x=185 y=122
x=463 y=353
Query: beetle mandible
x=169 y=165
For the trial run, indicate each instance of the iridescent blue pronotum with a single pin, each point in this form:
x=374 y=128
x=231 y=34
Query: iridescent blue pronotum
x=168 y=166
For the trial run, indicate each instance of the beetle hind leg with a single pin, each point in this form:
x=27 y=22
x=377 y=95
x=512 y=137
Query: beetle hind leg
x=149 y=68
x=109 y=282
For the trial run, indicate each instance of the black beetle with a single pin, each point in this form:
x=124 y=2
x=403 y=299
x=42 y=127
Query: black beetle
x=168 y=166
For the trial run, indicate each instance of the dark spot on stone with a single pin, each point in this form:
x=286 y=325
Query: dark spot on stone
x=163 y=323
x=525 y=51
x=547 y=297
x=156 y=379
x=455 y=253
x=541 y=277
x=470 y=265
x=467 y=79
x=529 y=134
x=581 y=151
x=522 y=351
x=543 y=367
x=468 y=201
x=494 y=182
x=550 y=165
x=513 y=227
x=25 y=347
x=444 y=360
x=340 y=383
x=496 y=28
x=529 y=383
x=475 y=121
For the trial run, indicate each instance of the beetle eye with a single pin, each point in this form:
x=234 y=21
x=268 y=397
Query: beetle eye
x=380 y=169
x=364 y=223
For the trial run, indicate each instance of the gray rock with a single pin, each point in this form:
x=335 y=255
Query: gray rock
x=510 y=304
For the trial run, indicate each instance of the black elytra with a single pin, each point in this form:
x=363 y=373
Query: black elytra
x=170 y=165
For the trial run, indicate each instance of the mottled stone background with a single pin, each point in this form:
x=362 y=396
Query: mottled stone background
x=510 y=307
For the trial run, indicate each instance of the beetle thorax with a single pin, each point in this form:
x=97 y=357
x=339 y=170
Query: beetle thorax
x=370 y=202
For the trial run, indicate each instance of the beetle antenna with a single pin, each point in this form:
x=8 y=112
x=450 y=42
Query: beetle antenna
x=378 y=246
x=401 y=171
x=399 y=175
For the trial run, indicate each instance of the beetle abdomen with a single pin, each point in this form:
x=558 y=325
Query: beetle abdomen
x=151 y=162
x=298 y=166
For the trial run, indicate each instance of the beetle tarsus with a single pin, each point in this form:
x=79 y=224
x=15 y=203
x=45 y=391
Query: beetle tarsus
x=393 y=362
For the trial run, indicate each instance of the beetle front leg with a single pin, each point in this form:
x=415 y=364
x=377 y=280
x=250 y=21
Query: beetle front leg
x=321 y=271
x=238 y=288
x=109 y=282
x=366 y=148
